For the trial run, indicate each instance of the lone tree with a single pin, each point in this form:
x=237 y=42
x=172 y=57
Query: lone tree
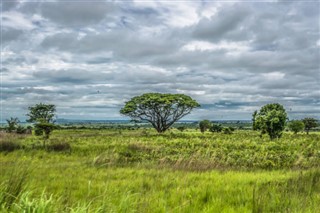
x=309 y=123
x=161 y=110
x=271 y=119
x=12 y=124
x=296 y=126
x=43 y=117
x=204 y=125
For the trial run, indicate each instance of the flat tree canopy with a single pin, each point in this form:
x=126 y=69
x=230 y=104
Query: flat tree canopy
x=161 y=110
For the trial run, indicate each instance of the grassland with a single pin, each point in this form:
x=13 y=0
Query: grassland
x=141 y=171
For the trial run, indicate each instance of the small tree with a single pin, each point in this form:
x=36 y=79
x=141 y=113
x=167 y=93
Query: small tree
x=43 y=117
x=12 y=124
x=271 y=119
x=161 y=110
x=204 y=125
x=216 y=128
x=296 y=126
x=309 y=123
x=44 y=128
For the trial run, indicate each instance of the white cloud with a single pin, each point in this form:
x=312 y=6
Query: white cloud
x=16 y=20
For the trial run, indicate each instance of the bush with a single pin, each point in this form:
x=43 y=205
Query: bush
x=38 y=131
x=21 y=130
x=181 y=128
x=227 y=130
x=216 y=128
x=204 y=125
x=8 y=145
x=296 y=126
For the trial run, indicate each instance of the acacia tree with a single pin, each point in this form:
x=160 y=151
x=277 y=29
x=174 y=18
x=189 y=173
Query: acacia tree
x=309 y=123
x=271 y=119
x=161 y=110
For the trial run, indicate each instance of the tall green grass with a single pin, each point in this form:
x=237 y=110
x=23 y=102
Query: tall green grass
x=104 y=171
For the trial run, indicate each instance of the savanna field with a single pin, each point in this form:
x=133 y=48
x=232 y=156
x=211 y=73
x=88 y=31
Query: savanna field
x=87 y=170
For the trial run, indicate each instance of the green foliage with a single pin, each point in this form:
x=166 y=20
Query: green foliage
x=204 y=125
x=43 y=116
x=296 y=126
x=161 y=110
x=228 y=130
x=309 y=123
x=254 y=115
x=216 y=128
x=38 y=131
x=44 y=128
x=271 y=119
x=12 y=124
x=21 y=130
x=43 y=112
x=181 y=128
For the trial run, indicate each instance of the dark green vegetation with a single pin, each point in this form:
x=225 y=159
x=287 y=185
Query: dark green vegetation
x=270 y=119
x=160 y=110
x=12 y=124
x=42 y=115
x=309 y=123
x=204 y=125
x=296 y=126
x=142 y=171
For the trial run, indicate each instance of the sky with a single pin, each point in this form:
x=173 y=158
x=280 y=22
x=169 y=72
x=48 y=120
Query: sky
x=90 y=57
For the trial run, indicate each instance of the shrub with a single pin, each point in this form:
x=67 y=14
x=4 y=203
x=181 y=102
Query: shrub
x=8 y=145
x=21 y=130
x=216 y=128
x=181 y=128
x=296 y=126
x=227 y=130
x=204 y=125
x=38 y=132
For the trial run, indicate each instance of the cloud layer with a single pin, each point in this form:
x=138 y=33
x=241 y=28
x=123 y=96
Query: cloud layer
x=88 y=58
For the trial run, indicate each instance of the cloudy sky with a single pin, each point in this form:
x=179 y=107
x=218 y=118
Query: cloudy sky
x=89 y=57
